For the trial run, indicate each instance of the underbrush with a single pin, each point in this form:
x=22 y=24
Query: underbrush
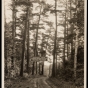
x=68 y=76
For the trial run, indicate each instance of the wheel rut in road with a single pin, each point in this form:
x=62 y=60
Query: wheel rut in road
x=39 y=82
x=42 y=83
x=32 y=82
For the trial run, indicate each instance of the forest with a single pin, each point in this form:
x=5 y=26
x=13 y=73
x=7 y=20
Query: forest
x=42 y=31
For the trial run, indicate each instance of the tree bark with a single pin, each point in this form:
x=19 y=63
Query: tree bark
x=67 y=24
x=35 y=52
x=5 y=45
x=54 y=53
x=13 y=32
x=64 y=43
x=71 y=30
x=75 y=55
x=76 y=46
x=28 y=44
x=42 y=69
x=33 y=68
x=39 y=68
x=23 y=47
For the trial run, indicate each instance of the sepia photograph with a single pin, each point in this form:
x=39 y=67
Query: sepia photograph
x=44 y=44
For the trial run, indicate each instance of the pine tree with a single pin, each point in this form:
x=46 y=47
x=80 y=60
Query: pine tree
x=23 y=47
x=54 y=51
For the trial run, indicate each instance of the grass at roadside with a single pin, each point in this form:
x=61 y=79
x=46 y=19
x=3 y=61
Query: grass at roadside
x=59 y=83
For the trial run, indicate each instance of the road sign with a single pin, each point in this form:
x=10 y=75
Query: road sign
x=39 y=59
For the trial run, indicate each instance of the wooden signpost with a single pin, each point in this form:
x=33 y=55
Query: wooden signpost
x=39 y=59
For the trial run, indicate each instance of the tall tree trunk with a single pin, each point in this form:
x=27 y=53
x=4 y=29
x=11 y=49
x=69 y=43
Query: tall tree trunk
x=76 y=46
x=28 y=51
x=64 y=43
x=67 y=43
x=13 y=32
x=54 y=53
x=33 y=68
x=71 y=30
x=35 y=53
x=67 y=24
x=23 y=47
x=42 y=69
x=39 y=68
x=36 y=42
x=42 y=54
x=75 y=55
x=28 y=44
x=6 y=70
x=36 y=67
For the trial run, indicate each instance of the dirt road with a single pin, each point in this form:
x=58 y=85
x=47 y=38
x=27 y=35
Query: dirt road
x=32 y=82
x=39 y=82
